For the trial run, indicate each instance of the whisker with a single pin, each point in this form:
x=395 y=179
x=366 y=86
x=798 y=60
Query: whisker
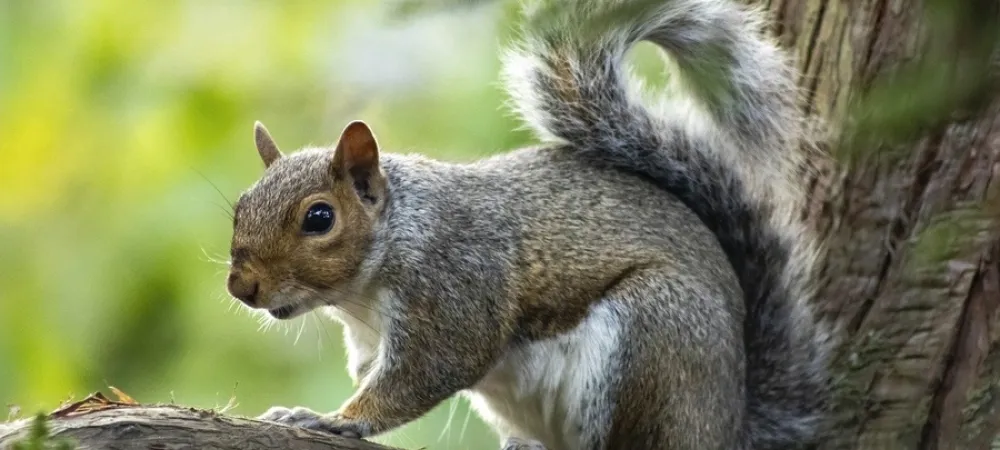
x=321 y=331
x=319 y=336
x=299 y=334
x=354 y=316
x=382 y=312
x=232 y=207
x=451 y=418
x=227 y=212
x=265 y=321
x=320 y=322
x=468 y=414
x=231 y=302
x=342 y=291
x=216 y=259
x=363 y=322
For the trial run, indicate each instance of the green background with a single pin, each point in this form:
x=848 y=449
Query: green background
x=123 y=125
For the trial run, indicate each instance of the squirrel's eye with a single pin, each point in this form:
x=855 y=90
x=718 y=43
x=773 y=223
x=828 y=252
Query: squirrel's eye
x=318 y=220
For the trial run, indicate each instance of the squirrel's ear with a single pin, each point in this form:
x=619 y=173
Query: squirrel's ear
x=266 y=147
x=357 y=150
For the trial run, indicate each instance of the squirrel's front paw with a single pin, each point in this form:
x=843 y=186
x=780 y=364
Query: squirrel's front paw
x=309 y=419
x=513 y=443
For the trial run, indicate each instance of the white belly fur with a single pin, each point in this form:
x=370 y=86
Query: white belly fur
x=539 y=391
x=362 y=331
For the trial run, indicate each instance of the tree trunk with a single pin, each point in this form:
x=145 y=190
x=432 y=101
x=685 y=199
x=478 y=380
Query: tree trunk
x=913 y=274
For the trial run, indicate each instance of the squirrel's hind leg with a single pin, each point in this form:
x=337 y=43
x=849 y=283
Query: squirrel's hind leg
x=680 y=383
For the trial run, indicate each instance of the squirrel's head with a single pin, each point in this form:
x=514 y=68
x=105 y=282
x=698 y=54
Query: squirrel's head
x=301 y=232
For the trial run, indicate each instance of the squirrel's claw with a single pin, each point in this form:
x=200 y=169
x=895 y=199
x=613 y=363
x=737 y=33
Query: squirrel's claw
x=283 y=415
x=309 y=419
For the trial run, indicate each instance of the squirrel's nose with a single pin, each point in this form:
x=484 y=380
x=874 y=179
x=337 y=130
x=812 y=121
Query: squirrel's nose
x=245 y=290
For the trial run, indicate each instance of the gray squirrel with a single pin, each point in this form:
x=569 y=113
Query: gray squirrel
x=637 y=281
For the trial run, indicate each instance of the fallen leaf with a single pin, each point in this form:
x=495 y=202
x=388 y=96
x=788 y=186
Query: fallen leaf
x=93 y=403
x=123 y=397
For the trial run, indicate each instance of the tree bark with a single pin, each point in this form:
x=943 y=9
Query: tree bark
x=170 y=427
x=912 y=278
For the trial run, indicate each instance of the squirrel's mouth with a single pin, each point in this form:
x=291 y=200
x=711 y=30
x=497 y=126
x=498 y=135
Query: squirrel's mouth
x=283 y=312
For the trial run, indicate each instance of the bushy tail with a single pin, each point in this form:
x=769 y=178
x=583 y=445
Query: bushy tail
x=729 y=148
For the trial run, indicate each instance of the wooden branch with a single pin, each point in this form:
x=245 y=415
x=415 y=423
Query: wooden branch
x=126 y=426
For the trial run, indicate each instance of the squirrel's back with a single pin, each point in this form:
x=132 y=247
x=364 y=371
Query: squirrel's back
x=543 y=204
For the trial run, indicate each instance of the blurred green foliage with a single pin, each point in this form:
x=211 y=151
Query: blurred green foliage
x=38 y=437
x=955 y=76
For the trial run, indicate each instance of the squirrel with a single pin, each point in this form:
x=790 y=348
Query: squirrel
x=637 y=280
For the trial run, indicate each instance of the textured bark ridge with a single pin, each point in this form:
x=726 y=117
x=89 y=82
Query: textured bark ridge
x=913 y=274
x=169 y=427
